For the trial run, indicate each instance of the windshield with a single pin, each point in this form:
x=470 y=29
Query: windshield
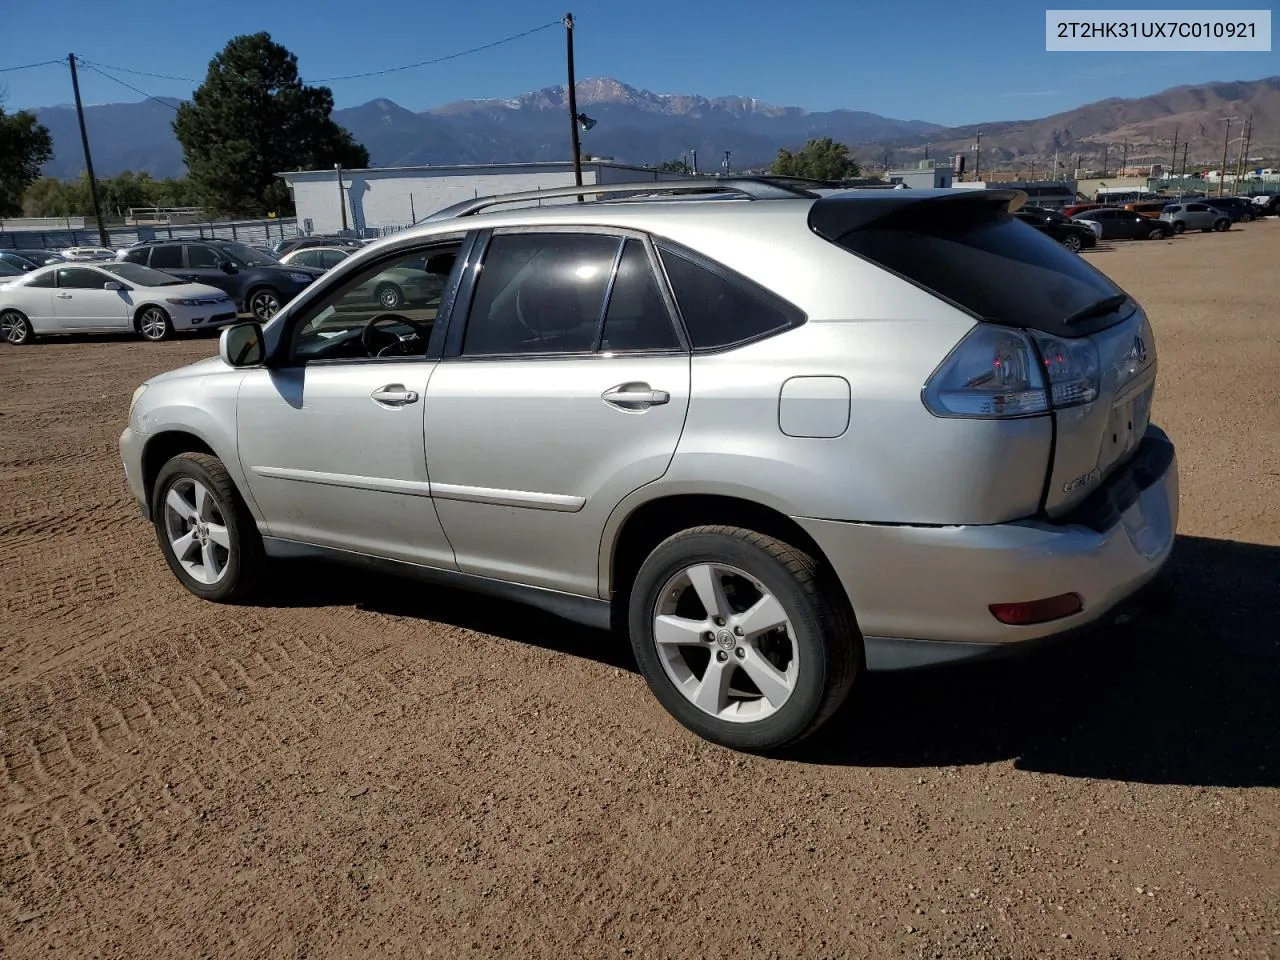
x=139 y=275
x=243 y=255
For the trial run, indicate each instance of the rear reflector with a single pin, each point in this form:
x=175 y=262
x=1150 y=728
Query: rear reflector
x=1037 y=611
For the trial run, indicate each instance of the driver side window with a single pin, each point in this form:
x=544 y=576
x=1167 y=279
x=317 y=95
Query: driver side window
x=385 y=311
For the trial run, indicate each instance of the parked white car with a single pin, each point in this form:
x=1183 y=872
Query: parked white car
x=88 y=253
x=107 y=298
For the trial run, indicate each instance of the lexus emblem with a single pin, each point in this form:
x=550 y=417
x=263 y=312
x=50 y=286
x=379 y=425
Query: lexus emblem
x=1139 y=351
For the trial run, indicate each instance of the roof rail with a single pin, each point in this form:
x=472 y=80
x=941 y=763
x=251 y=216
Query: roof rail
x=751 y=188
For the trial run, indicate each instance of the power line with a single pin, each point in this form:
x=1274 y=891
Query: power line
x=30 y=66
x=143 y=93
x=452 y=56
x=137 y=73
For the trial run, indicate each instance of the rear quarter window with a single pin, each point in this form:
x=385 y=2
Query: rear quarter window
x=719 y=308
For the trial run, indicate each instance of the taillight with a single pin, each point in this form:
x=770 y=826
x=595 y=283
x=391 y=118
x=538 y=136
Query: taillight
x=998 y=372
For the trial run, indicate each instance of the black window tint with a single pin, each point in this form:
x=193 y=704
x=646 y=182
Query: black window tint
x=166 y=257
x=330 y=258
x=138 y=255
x=43 y=280
x=718 y=311
x=1197 y=207
x=540 y=293
x=976 y=257
x=637 y=317
x=77 y=278
x=203 y=258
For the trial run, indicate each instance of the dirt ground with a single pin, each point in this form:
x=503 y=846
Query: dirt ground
x=380 y=769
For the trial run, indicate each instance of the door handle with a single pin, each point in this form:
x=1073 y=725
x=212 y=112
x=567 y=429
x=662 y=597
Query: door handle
x=394 y=395
x=634 y=396
x=63 y=296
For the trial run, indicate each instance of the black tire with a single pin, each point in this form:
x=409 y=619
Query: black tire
x=390 y=297
x=1179 y=227
x=15 y=328
x=826 y=638
x=1156 y=235
x=153 y=323
x=1246 y=217
x=245 y=557
x=1223 y=225
x=264 y=303
x=1072 y=243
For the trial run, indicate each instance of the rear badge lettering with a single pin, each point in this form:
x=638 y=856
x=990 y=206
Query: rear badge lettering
x=1082 y=481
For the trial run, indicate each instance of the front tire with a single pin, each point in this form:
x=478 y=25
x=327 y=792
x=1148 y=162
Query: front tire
x=205 y=531
x=1156 y=235
x=154 y=324
x=15 y=328
x=264 y=303
x=742 y=637
x=1222 y=226
x=1072 y=243
x=1179 y=227
x=390 y=297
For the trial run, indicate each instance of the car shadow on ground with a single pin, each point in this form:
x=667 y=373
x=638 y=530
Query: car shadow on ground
x=1186 y=692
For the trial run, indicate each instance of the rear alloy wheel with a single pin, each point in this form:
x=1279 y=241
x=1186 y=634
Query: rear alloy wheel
x=1072 y=243
x=741 y=637
x=207 y=535
x=1222 y=225
x=15 y=328
x=154 y=324
x=264 y=303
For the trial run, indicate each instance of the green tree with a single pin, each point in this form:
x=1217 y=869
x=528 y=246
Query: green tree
x=673 y=166
x=818 y=159
x=251 y=119
x=25 y=145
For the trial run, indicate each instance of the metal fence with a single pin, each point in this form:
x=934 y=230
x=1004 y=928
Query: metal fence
x=255 y=232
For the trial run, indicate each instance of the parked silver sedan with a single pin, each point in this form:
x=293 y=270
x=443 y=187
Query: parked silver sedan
x=775 y=441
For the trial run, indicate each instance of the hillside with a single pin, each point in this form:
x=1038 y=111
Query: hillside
x=639 y=126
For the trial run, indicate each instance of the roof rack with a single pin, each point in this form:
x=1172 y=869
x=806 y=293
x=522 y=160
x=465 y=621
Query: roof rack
x=751 y=188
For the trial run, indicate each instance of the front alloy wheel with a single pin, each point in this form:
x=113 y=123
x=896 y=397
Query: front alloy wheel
x=206 y=533
x=154 y=324
x=1072 y=243
x=264 y=304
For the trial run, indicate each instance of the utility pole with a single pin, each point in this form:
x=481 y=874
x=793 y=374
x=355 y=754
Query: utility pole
x=1222 y=172
x=342 y=200
x=1173 y=157
x=1184 y=162
x=693 y=152
x=573 y=102
x=1105 y=148
x=1248 y=142
x=977 y=158
x=1124 y=158
x=727 y=168
x=1244 y=151
x=88 y=159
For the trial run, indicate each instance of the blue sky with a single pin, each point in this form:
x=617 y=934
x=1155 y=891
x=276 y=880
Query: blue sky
x=929 y=60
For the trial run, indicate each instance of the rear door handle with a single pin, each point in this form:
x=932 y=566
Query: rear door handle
x=63 y=296
x=394 y=395
x=634 y=396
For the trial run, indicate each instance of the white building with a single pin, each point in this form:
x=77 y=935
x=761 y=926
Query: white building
x=383 y=199
x=928 y=175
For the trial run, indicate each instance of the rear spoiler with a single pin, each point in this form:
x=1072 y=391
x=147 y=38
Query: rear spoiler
x=842 y=213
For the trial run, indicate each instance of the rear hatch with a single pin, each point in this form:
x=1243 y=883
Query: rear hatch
x=966 y=248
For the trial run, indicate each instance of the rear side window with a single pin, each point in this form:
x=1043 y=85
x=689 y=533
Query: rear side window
x=719 y=309
x=41 y=280
x=77 y=278
x=138 y=255
x=166 y=258
x=975 y=255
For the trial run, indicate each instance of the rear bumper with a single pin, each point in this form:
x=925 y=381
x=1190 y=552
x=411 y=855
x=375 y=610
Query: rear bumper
x=922 y=594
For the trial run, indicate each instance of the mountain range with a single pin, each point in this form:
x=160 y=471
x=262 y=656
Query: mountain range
x=637 y=126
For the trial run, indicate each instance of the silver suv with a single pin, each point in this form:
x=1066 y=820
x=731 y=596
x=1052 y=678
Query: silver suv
x=776 y=440
x=1195 y=215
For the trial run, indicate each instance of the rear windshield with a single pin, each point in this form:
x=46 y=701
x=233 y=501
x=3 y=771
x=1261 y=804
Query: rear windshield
x=987 y=262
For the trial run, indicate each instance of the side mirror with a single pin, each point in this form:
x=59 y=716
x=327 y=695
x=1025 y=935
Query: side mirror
x=226 y=266
x=241 y=345
x=113 y=285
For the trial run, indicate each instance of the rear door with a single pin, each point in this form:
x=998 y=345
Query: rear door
x=563 y=388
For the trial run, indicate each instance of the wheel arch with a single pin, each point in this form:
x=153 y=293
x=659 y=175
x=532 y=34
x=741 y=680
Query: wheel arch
x=652 y=521
x=146 y=305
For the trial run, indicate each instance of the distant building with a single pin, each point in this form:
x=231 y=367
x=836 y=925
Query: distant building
x=923 y=177
x=383 y=199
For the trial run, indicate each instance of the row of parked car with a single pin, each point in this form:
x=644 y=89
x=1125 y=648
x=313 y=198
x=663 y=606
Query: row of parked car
x=1080 y=226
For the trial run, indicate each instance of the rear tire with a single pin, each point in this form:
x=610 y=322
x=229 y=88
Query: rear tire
x=1179 y=227
x=1223 y=225
x=390 y=297
x=206 y=533
x=15 y=328
x=782 y=653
